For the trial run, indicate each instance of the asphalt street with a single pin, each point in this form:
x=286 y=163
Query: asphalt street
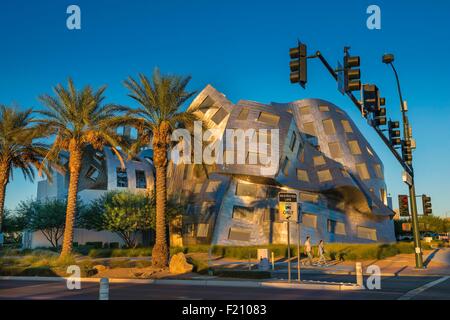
x=392 y=288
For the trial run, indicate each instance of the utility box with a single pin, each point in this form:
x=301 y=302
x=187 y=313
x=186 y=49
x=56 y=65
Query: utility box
x=263 y=259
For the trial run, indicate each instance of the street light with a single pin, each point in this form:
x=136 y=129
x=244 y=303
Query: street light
x=407 y=157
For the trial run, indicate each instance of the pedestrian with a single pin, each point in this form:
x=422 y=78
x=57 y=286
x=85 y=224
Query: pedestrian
x=308 y=250
x=322 y=259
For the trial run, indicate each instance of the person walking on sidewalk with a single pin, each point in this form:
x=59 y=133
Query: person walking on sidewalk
x=322 y=259
x=308 y=250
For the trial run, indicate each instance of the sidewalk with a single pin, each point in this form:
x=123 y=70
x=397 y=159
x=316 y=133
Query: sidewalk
x=437 y=264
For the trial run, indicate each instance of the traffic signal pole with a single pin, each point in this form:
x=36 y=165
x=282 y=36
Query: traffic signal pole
x=411 y=186
x=407 y=167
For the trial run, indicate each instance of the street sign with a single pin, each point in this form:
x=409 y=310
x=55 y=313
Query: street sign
x=287 y=205
x=406 y=177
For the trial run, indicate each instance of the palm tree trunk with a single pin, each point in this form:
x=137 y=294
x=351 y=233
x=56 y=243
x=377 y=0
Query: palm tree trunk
x=75 y=167
x=160 y=252
x=4 y=178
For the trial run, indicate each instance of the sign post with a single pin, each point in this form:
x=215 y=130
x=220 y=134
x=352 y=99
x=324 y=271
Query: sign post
x=287 y=206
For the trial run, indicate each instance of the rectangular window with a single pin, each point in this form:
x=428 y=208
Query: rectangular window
x=293 y=141
x=309 y=128
x=324 y=175
x=362 y=171
x=328 y=126
x=347 y=126
x=92 y=173
x=189 y=229
x=309 y=220
x=268 y=118
x=122 y=178
x=383 y=196
x=319 y=161
x=219 y=115
x=366 y=233
x=302 y=175
x=336 y=227
x=243 y=115
x=324 y=108
x=243 y=213
x=305 y=110
x=354 y=147
x=206 y=104
x=309 y=197
x=378 y=171
x=141 y=182
x=202 y=230
x=239 y=234
x=285 y=167
x=246 y=190
x=335 y=149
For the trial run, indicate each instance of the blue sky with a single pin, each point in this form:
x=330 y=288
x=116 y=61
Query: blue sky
x=241 y=48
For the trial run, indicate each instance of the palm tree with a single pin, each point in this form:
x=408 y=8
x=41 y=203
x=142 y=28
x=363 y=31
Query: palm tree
x=157 y=116
x=18 y=148
x=78 y=119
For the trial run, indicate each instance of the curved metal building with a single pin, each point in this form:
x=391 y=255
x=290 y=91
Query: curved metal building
x=321 y=155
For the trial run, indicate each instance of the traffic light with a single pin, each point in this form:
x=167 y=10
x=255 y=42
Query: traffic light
x=403 y=205
x=407 y=151
x=298 y=65
x=352 y=74
x=394 y=133
x=426 y=204
x=373 y=103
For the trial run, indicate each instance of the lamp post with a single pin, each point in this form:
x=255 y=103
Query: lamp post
x=389 y=59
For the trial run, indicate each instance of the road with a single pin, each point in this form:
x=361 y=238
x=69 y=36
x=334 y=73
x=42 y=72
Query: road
x=392 y=288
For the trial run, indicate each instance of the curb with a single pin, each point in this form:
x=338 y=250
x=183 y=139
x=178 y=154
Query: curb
x=307 y=285
x=352 y=273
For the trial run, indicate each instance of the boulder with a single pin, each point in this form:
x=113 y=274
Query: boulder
x=178 y=264
x=100 y=267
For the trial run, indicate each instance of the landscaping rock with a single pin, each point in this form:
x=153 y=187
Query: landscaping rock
x=100 y=268
x=178 y=264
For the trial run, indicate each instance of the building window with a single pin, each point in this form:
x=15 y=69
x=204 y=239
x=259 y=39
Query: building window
x=239 y=234
x=202 y=230
x=309 y=220
x=309 y=128
x=242 y=213
x=219 y=116
x=354 y=147
x=319 y=161
x=93 y=173
x=302 y=175
x=99 y=157
x=301 y=155
x=362 y=171
x=268 y=118
x=141 y=182
x=285 y=166
x=324 y=175
x=293 y=141
x=305 y=110
x=378 y=171
x=336 y=227
x=366 y=233
x=206 y=104
x=189 y=229
x=250 y=190
x=324 y=108
x=383 y=196
x=335 y=150
x=347 y=126
x=243 y=115
x=122 y=178
x=309 y=197
x=328 y=126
